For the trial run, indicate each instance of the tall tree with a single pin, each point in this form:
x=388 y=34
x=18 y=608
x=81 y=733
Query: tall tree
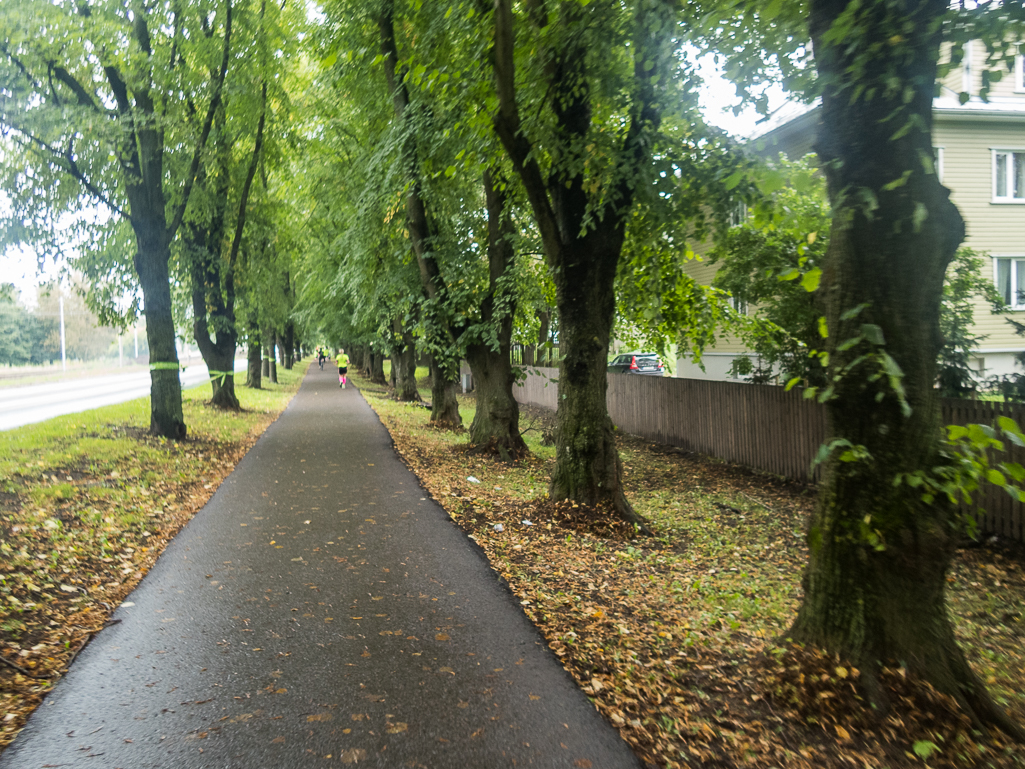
x=92 y=95
x=213 y=230
x=874 y=587
x=582 y=214
x=423 y=230
x=879 y=549
x=496 y=420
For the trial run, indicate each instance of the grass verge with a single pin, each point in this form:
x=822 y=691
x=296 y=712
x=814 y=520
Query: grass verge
x=673 y=637
x=88 y=502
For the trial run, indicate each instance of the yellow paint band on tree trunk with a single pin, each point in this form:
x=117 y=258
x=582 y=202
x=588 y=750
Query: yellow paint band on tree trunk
x=164 y=366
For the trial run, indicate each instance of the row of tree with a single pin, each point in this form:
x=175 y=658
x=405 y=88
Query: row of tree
x=446 y=177
x=144 y=137
x=469 y=137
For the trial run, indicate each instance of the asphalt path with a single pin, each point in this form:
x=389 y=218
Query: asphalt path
x=37 y=403
x=320 y=610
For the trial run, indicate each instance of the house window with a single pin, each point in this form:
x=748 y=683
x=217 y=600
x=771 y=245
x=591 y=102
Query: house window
x=1019 y=70
x=1010 y=277
x=1009 y=176
x=738 y=305
x=937 y=161
x=738 y=215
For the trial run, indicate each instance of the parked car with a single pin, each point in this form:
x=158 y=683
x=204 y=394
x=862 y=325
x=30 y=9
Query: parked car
x=646 y=363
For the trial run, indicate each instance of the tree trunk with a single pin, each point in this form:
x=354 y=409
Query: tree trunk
x=582 y=242
x=377 y=369
x=288 y=343
x=255 y=368
x=496 y=421
x=166 y=415
x=403 y=364
x=876 y=576
x=213 y=303
x=444 y=404
x=270 y=364
x=422 y=237
x=587 y=466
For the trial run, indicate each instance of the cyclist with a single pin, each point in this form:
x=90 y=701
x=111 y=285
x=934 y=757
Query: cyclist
x=343 y=367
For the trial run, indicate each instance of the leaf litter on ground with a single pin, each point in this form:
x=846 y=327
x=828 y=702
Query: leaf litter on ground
x=675 y=637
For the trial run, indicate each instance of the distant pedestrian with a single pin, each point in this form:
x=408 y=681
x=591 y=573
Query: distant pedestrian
x=343 y=367
x=321 y=356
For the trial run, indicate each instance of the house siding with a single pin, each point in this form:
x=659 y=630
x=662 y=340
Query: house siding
x=954 y=80
x=996 y=228
x=967 y=136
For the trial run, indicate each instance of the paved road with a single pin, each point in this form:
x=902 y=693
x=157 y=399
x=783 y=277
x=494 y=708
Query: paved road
x=36 y=403
x=319 y=611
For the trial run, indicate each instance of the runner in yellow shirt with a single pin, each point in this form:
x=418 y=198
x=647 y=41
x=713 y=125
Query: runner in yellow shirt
x=343 y=367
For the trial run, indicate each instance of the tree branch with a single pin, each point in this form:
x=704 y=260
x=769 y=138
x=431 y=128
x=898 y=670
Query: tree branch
x=652 y=61
x=67 y=164
x=509 y=130
x=85 y=99
x=215 y=101
x=247 y=186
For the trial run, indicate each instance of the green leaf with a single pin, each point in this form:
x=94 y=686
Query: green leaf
x=733 y=180
x=853 y=312
x=925 y=749
x=920 y=215
x=898 y=182
x=811 y=279
x=792 y=274
x=873 y=334
x=823 y=327
x=996 y=477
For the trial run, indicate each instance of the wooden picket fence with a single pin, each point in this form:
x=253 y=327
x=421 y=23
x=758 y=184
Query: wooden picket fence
x=760 y=426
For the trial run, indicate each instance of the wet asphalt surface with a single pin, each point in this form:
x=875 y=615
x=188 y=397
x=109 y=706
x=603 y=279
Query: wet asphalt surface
x=321 y=610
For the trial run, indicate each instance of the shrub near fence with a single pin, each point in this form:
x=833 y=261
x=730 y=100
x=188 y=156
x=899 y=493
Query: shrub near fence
x=760 y=426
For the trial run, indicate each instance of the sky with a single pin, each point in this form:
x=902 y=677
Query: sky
x=717 y=97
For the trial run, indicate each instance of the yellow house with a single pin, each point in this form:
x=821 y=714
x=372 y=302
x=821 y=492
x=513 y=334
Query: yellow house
x=980 y=154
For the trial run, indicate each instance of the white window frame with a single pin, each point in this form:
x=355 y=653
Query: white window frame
x=966 y=69
x=1005 y=199
x=738 y=215
x=938 y=163
x=1019 y=70
x=1012 y=277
